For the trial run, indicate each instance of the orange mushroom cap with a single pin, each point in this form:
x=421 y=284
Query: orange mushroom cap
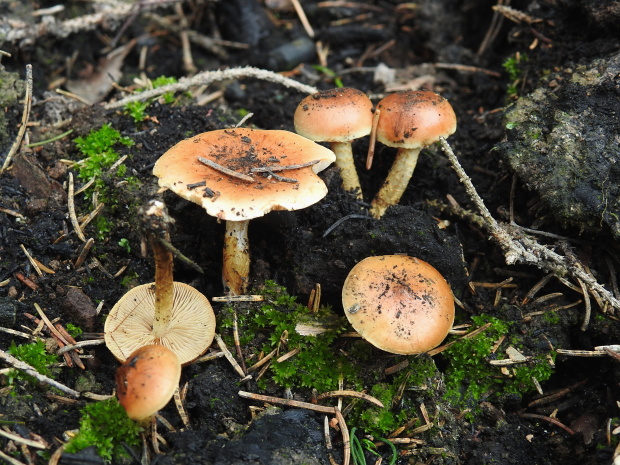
x=244 y=151
x=334 y=115
x=146 y=382
x=414 y=119
x=399 y=304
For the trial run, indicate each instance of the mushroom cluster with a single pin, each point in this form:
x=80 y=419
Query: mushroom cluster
x=239 y=174
x=398 y=303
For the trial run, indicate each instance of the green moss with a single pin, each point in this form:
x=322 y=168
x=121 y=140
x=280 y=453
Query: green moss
x=512 y=65
x=98 y=147
x=73 y=330
x=114 y=188
x=317 y=364
x=397 y=394
x=106 y=426
x=137 y=110
x=130 y=280
x=552 y=318
x=469 y=377
x=103 y=226
x=35 y=355
x=378 y=421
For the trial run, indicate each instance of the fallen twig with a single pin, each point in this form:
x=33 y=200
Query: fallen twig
x=348 y=393
x=231 y=359
x=227 y=171
x=65 y=28
x=535 y=416
x=25 y=116
x=209 y=77
x=308 y=406
x=519 y=248
x=71 y=208
x=79 y=345
x=29 y=370
x=29 y=442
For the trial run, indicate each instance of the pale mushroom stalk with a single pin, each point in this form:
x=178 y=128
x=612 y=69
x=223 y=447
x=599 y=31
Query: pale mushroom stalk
x=346 y=164
x=164 y=287
x=409 y=121
x=236 y=261
x=338 y=116
x=396 y=182
x=236 y=175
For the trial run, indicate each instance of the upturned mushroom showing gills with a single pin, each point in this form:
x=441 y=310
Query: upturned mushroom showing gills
x=399 y=304
x=146 y=382
x=240 y=174
x=165 y=312
x=409 y=120
x=338 y=116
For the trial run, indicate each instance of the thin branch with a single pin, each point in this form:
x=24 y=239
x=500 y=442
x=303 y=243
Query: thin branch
x=25 y=116
x=519 y=248
x=63 y=29
x=277 y=177
x=288 y=402
x=29 y=370
x=178 y=254
x=71 y=208
x=554 y=421
x=303 y=18
x=231 y=359
x=227 y=171
x=273 y=168
x=79 y=345
x=209 y=77
x=348 y=393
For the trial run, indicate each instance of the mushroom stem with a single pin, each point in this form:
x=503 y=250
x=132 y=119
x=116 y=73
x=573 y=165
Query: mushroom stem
x=346 y=163
x=236 y=262
x=396 y=182
x=164 y=287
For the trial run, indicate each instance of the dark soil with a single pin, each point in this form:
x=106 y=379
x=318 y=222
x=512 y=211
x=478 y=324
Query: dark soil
x=567 y=94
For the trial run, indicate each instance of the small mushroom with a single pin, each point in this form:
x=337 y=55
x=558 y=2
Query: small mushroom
x=337 y=116
x=240 y=174
x=146 y=382
x=409 y=120
x=165 y=312
x=399 y=304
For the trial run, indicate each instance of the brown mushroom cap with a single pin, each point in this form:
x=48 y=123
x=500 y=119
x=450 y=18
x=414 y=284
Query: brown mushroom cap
x=399 y=304
x=414 y=119
x=334 y=115
x=242 y=150
x=146 y=382
x=130 y=323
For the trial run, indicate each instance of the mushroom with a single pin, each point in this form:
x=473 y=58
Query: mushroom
x=399 y=304
x=240 y=174
x=409 y=120
x=165 y=312
x=337 y=116
x=147 y=381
